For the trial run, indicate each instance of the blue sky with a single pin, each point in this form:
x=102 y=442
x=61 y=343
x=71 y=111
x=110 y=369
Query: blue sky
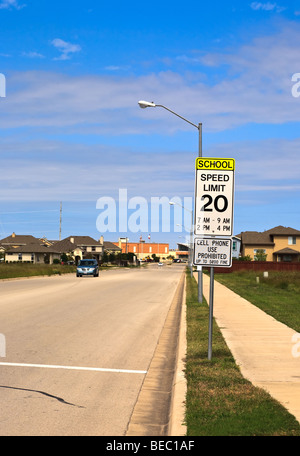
x=72 y=131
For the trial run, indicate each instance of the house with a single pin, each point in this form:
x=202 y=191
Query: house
x=69 y=248
x=27 y=248
x=2 y=253
x=33 y=253
x=80 y=246
x=110 y=247
x=280 y=244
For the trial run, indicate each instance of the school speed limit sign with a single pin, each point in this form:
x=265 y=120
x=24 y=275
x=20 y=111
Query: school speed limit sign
x=214 y=192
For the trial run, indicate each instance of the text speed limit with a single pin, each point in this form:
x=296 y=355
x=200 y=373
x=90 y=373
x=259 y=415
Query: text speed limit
x=214 y=190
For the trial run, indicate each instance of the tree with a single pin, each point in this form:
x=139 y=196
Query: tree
x=155 y=258
x=245 y=258
x=260 y=255
x=64 y=257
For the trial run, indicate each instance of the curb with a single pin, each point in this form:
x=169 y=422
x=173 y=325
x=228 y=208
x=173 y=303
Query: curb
x=155 y=404
x=177 y=426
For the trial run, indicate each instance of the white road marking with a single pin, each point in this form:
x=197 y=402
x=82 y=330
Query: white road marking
x=95 y=369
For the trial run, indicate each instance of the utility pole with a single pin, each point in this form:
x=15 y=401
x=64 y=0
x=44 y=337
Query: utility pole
x=60 y=218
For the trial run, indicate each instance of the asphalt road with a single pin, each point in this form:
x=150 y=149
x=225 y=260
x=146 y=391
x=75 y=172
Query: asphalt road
x=77 y=349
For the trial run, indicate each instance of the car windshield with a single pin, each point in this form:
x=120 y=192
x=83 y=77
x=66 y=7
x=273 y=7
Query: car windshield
x=87 y=263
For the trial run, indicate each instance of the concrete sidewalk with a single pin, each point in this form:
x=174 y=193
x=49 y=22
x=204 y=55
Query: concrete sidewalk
x=264 y=349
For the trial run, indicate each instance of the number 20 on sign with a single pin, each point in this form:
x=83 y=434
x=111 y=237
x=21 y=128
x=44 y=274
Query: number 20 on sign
x=214 y=194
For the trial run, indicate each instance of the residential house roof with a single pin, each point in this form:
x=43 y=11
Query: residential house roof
x=65 y=246
x=284 y=231
x=287 y=251
x=83 y=240
x=32 y=248
x=255 y=238
x=107 y=245
x=266 y=237
x=19 y=239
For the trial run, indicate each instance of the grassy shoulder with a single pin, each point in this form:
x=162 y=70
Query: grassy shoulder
x=16 y=270
x=277 y=294
x=220 y=401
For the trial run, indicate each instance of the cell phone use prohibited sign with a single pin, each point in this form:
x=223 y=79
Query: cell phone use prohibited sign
x=213 y=252
x=214 y=193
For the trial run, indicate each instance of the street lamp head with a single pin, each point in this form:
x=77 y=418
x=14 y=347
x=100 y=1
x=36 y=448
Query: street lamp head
x=146 y=104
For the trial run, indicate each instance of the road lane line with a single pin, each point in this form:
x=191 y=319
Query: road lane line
x=95 y=369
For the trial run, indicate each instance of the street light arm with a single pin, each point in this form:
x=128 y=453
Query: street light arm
x=150 y=104
x=175 y=113
x=172 y=203
x=147 y=104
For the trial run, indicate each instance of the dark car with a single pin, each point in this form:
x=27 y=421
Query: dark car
x=87 y=267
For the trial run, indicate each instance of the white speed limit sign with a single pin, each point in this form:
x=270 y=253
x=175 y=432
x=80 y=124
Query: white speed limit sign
x=214 y=192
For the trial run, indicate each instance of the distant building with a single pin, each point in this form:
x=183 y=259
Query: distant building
x=143 y=250
x=182 y=251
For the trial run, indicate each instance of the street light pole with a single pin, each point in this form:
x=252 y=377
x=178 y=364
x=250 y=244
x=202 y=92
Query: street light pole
x=199 y=268
x=150 y=104
x=172 y=203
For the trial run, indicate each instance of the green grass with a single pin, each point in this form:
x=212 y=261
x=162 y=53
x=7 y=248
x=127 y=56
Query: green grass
x=15 y=270
x=277 y=295
x=219 y=401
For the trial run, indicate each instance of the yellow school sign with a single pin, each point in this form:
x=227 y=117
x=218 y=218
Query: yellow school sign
x=215 y=164
x=214 y=192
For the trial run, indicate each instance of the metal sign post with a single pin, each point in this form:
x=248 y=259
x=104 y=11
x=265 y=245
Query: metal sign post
x=211 y=313
x=213 y=223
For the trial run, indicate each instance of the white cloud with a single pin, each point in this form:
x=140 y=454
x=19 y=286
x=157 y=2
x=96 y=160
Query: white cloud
x=33 y=55
x=45 y=170
x=116 y=68
x=65 y=48
x=267 y=175
x=247 y=84
x=267 y=7
x=9 y=4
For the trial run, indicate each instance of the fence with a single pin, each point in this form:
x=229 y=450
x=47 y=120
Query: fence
x=259 y=266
